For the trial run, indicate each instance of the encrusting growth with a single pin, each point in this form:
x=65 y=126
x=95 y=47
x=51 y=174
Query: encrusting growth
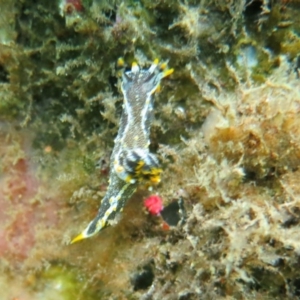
x=130 y=162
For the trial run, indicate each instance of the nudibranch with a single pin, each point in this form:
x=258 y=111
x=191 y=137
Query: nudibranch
x=131 y=162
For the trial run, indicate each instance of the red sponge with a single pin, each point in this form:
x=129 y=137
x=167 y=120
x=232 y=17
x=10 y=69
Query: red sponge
x=154 y=204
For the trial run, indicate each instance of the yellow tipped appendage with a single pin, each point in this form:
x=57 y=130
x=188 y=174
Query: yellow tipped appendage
x=78 y=238
x=167 y=72
x=153 y=66
x=135 y=67
x=120 y=62
x=156 y=61
x=163 y=66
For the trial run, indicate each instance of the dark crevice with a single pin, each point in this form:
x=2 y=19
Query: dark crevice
x=4 y=76
x=143 y=278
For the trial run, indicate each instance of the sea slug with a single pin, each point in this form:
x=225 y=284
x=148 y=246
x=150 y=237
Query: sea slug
x=131 y=161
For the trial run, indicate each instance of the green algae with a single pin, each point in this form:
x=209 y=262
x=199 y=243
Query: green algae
x=61 y=282
x=59 y=80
